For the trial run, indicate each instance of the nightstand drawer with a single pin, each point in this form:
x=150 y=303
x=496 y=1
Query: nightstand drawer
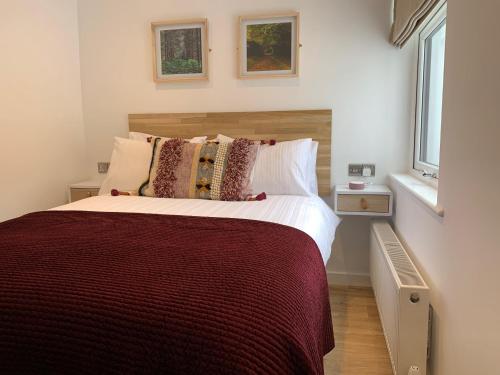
x=363 y=203
x=80 y=193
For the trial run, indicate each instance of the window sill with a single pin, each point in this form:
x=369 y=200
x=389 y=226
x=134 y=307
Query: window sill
x=423 y=192
x=417 y=174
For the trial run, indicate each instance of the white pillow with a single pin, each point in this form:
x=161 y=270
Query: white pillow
x=144 y=137
x=129 y=166
x=283 y=169
x=312 y=177
x=287 y=168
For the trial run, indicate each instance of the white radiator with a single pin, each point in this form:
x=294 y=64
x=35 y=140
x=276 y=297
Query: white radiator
x=402 y=299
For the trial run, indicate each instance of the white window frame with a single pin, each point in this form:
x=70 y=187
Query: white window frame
x=418 y=165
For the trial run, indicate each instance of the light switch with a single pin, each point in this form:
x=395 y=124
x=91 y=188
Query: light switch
x=368 y=170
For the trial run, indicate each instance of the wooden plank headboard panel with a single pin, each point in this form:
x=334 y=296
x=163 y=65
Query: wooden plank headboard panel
x=278 y=125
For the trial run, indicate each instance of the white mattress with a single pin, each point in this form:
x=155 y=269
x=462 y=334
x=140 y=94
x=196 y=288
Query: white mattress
x=308 y=214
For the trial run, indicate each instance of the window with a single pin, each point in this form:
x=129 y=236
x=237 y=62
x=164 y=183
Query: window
x=431 y=54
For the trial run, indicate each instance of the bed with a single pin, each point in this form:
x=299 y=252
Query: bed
x=127 y=284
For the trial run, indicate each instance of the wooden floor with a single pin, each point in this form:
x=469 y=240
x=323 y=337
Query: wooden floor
x=359 y=341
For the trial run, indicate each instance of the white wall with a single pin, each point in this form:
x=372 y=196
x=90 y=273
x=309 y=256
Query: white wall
x=346 y=64
x=460 y=254
x=41 y=127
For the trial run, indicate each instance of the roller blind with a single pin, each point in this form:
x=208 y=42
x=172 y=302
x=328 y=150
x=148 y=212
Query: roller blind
x=408 y=14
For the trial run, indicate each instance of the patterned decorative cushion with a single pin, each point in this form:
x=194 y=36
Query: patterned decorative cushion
x=211 y=170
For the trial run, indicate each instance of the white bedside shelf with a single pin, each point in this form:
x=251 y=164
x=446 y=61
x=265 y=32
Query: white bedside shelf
x=374 y=200
x=84 y=189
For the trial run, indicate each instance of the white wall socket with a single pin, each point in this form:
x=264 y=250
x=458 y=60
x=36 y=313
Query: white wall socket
x=102 y=167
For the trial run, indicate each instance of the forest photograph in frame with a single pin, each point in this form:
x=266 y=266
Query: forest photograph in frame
x=269 y=46
x=180 y=50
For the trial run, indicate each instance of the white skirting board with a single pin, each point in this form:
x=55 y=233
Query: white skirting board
x=348 y=279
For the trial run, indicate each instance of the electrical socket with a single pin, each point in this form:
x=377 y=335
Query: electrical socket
x=102 y=167
x=357 y=170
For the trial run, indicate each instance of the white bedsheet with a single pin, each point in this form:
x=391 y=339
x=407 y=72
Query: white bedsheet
x=308 y=214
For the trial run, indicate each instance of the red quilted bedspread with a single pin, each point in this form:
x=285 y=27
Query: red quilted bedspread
x=114 y=293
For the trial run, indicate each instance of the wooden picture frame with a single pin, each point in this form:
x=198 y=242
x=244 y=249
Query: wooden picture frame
x=268 y=46
x=180 y=50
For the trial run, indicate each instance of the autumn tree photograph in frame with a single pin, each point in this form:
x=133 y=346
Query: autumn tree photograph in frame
x=180 y=50
x=269 y=46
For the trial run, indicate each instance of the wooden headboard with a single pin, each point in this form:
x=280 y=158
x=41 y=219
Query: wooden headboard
x=278 y=125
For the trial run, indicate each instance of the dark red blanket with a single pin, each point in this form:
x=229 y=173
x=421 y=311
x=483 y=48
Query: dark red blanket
x=102 y=293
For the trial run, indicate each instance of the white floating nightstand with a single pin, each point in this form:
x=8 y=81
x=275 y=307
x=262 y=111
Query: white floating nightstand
x=373 y=200
x=84 y=189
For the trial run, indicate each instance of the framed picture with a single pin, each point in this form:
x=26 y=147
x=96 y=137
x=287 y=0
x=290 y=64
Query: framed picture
x=180 y=50
x=269 y=46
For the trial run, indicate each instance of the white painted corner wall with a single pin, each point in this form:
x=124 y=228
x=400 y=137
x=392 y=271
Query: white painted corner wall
x=42 y=144
x=459 y=255
x=346 y=64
